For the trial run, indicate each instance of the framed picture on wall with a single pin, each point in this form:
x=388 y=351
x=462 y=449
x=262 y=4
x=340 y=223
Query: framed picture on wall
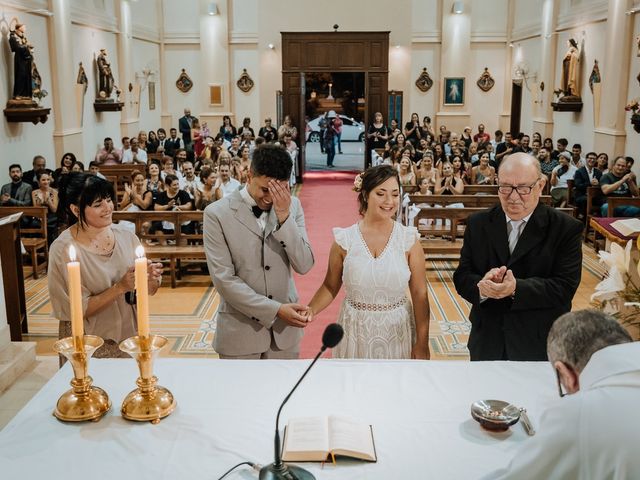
x=454 y=91
x=152 y=95
x=215 y=95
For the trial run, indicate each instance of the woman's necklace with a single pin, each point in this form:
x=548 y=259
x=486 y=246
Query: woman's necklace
x=100 y=245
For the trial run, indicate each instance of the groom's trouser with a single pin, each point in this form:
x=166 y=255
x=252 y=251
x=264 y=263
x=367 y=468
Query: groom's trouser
x=274 y=353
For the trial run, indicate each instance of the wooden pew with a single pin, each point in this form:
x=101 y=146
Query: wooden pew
x=175 y=247
x=34 y=237
x=615 y=202
x=456 y=217
x=467 y=200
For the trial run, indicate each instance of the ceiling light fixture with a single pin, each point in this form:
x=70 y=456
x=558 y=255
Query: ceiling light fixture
x=212 y=8
x=458 y=7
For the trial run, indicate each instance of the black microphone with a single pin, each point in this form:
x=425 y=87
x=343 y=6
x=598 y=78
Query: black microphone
x=278 y=470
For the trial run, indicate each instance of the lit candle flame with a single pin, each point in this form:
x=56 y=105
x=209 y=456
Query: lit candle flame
x=72 y=253
x=139 y=251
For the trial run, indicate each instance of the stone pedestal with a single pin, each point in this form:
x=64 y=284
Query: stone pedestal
x=15 y=358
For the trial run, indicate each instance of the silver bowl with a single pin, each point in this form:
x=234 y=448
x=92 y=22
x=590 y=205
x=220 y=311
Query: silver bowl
x=495 y=415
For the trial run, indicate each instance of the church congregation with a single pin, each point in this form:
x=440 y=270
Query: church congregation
x=205 y=194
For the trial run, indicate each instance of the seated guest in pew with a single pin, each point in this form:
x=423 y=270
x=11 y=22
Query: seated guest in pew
x=228 y=184
x=587 y=176
x=17 y=193
x=591 y=431
x=135 y=154
x=169 y=168
x=210 y=190
x=137 y=197
x=405 y=170
x=173 y=199
x=619 y=182
x=483 y=173
x=78 y=166
x=547 y=164
x=190 y=181
x=39 y=163
x=108 y=155
x=67 y=162
x=602 y=163
x=106 y=255
x=426 y=169
x=154 y=180
x=94 y=169
x=460 y=169
x=448 y=184
x=253 y=239
x=378 y=259
x=423 y=187
x=520 y=267
x=559 y=176
x=47 y=196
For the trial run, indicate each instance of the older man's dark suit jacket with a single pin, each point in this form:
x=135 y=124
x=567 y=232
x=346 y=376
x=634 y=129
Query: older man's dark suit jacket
x=547 y=264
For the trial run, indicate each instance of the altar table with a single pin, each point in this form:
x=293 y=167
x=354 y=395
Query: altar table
x=226 y=414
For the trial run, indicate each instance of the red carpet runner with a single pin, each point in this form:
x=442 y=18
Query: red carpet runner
x=328 y=201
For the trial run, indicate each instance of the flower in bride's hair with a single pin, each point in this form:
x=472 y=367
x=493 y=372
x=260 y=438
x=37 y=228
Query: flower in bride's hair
x=357 y=183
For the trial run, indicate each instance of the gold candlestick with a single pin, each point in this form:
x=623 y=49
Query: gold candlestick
x=149 y=402
x=84 y=401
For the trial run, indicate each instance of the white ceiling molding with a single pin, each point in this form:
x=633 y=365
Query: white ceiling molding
x=94 y=19
x=181 y=38
x=527 y=31
x=143 y=32
x=583 y=15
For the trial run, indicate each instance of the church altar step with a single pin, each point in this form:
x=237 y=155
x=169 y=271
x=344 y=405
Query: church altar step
x=15 y=358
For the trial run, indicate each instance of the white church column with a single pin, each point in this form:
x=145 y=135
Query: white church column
x=130 y=116
x=456 y=45
x=542 y=113
x=67 y=134
x=610 y=134
x=214 y=63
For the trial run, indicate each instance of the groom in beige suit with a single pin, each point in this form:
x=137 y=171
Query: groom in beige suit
x=252 y=239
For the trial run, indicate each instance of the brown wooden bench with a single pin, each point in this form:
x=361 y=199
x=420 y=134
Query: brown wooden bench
x=615 y=202
x=467 y=200
x=34 y=237
x=454 y=231
x=175 y=247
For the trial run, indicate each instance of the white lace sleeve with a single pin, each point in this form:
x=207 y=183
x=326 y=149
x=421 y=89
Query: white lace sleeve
x=410 y=236
x=342 y=237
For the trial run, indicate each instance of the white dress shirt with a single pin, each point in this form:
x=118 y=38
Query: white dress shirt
x=231 y=186
x=248 y=199
x=141 y=156
x=592 y=434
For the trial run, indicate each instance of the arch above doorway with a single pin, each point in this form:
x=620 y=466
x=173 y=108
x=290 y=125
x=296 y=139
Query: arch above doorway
x=306 y=52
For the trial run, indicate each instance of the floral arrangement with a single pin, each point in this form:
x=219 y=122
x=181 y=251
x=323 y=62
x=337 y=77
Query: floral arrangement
x=357 y=183
x=619 y=292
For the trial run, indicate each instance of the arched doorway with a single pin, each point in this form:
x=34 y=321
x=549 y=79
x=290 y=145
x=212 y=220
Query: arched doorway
x=315 y=53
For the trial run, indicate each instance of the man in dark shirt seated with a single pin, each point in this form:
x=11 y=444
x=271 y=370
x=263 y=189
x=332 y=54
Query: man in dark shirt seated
x=30 y=177
x=17 y=193
x=620 y=183
x=586 y=176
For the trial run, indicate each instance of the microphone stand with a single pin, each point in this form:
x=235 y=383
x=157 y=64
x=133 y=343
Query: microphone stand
x=278 y=470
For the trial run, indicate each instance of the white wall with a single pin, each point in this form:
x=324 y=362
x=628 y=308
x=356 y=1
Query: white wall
x=146 y=56
x=96 y=126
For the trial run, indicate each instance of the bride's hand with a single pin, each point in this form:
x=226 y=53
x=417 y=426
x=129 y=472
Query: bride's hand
x=420 y=352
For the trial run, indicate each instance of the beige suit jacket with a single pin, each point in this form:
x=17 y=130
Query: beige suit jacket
x=251 y=270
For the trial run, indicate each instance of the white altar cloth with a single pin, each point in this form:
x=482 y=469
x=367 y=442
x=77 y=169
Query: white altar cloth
x=226 y=414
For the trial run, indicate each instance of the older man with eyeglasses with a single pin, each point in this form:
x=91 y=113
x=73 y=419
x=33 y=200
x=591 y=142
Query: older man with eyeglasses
x=591 y=433
x=520 y=267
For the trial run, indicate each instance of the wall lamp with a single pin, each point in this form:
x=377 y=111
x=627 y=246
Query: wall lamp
x=271 y=46
x=212 y=8
x=458 y=7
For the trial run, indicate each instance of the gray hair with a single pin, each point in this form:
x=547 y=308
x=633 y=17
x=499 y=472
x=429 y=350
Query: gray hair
x=575 y=336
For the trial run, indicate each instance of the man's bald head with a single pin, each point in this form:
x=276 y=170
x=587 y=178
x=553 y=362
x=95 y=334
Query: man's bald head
x=520 y=161
x=520 y=184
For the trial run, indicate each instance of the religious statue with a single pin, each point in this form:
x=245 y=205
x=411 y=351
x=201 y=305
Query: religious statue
x=595 y=75
x=424 y=81
x=486 y=81
x=570 y=81
x=245 y=82
x=82 y=78
x=106 y=81
x=22 y=63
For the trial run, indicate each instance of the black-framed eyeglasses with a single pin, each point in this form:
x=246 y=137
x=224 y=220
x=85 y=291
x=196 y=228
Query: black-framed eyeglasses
x=521 y=189
x=560 y=391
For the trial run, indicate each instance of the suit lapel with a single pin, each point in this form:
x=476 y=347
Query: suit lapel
x=243 y=214
x=271 y=223
x=496 y=231
x=534 y=232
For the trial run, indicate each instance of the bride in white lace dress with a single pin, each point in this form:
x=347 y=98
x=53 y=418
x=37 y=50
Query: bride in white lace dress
x=377 y=259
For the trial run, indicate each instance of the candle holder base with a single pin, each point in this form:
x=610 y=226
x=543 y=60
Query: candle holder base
x=149 y=402
x=83 y=402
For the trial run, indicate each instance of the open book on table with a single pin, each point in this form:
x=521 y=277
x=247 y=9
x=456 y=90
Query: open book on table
x=316 y=439
x=628 y=226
